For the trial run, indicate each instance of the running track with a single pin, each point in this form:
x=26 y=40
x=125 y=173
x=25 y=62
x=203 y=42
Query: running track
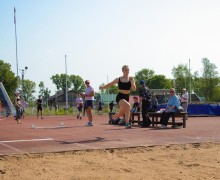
x=50 y=136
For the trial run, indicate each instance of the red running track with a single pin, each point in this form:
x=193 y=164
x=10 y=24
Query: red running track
x=49 y=136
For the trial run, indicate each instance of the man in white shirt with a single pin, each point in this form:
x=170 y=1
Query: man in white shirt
x=89 y=98
x=184 y=99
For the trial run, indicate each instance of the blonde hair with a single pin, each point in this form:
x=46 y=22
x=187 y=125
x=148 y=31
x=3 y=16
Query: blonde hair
x=124 y=67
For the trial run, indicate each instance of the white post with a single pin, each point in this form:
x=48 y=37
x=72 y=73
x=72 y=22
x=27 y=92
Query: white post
x=66 y=87
x=108 y=90
x=16 y=42
x=190 y=84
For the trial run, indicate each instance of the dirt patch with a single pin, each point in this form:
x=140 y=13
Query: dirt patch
x=190 y=161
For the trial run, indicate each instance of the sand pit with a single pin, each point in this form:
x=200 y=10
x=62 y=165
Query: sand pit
x=190 y=161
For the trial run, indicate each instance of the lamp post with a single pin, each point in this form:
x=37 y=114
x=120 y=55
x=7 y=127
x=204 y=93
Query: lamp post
x=22 y=81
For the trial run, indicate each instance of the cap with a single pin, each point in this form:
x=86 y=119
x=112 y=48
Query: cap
x=17 y=92
x=172 y=90
x=142 y=82
x=184 y=89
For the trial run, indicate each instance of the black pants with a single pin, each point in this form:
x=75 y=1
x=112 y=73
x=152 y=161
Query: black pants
x=145 y=106
x=165 y=116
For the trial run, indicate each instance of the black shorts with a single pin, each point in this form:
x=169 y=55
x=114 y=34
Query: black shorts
x=122 y=96
x=80 y=108
x=39 y=108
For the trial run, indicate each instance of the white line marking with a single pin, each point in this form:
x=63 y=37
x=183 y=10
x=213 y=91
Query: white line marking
x=49 y=127
x=27 y=140
x=11 y=147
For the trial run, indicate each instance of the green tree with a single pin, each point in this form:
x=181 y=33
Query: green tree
x=210 y=79
x=29 y=89
x=45 y=92
x=77 y=83
x=181 y=75
x=144 y=74
x=160 y=82
x=60 y=82
x=8 y=78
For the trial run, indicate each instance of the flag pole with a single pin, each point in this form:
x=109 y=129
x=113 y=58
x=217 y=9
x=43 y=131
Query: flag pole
x=66 y=87
x=16 y=42
x=190 y=83
x=108 y=90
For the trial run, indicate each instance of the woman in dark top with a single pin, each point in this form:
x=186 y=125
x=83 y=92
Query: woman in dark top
x=18 y=106
x=125 y=83
x=39 y=106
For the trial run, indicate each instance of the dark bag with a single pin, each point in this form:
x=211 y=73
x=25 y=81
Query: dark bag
x=178 y=109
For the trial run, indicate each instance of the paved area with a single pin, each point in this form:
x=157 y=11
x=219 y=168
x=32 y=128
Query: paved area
x=66 y=133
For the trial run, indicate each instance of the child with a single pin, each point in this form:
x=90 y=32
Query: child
x=136 y=105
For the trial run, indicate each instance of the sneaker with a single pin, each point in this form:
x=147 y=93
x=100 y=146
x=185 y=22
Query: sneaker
x=127 y=126
x=175 y=127
x=163 y=127
x=88 y=124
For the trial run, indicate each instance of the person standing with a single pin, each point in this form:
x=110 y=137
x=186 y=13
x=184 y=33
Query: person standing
x=89 y=98
x=18 y=107
x=40 y=106
x=79 y=104
x=100 y=107
x=145 y=99
x=24 y=105
x=184 y=100
x=125 y=83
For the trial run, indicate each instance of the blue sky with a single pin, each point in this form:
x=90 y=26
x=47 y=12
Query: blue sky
x=100 y=36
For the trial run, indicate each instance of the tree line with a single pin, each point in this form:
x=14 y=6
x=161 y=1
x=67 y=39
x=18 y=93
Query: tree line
x=206 y=85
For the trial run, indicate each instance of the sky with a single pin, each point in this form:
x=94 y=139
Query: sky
x=98 y=37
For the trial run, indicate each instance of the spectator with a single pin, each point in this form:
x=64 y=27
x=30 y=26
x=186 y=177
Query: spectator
x=145 y=99
x=184 y=100
x=111 y=105
x=136 y=105
x=79 y=105
x=100 y=107
x=154 y=103
x=173 y=102
x=24 y=105
x=18 y=107
x=89 y=98
x=40 y=106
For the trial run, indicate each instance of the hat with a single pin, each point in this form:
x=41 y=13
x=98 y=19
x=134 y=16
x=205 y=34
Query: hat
x=17 y=92
x=184 y=89
x=142 y=82
x=172 y=90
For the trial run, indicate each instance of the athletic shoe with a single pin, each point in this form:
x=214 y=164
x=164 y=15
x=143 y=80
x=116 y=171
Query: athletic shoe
x=163 y=127
x=127 y=126
x=88 y=124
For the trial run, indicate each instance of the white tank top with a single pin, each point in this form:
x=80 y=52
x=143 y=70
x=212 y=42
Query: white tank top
x=88 y=91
